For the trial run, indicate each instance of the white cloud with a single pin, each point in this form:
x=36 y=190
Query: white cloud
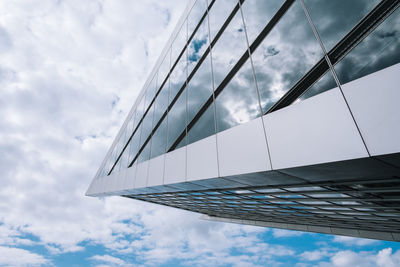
x=347 y=258
x=353 y=241
x=315 y=255
x=15 y=257
x=109 y=260
x=286 y=233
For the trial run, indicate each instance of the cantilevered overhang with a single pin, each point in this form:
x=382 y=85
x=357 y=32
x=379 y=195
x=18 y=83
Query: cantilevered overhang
x=332 y=160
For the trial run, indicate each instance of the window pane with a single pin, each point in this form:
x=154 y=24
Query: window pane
x=139 y=111
x=178 y=77
x=199 y=88
x=145 y=154
x=147 y=125
x=204 y=127
x=334 y=19
x=151 y=91
x=257 y=14
x=229 y=48
x=159 y=140
x=378 y=50
x=198 y=45
x=198 y=10
x=134 y=145
x=161 y=104
x=164 y=68
x=238 y=102
x=176 y=119
x=218 y=14
x=325 y=83
x=285 y=55
x=179 y=43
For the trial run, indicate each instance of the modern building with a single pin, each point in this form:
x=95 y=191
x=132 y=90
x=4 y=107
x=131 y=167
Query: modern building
x=273 y=113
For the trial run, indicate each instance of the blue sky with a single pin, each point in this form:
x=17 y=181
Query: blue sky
x=69 y=73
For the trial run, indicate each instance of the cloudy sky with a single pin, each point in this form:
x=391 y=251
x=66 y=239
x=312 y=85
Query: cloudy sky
x=69 y=73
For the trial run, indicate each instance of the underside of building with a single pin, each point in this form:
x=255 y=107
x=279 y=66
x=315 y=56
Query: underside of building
x=280 y=114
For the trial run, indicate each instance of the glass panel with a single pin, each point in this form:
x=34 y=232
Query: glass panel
x=159 y=140
x=285 y=55
x=378 y=50
x=238 y=102
x=257 y=14
x=139 y=111
x=218 y=14
x=164 y=68
x=178 y=77
x=198 y=45
x=151 y=91
x=334 y=19
x=124 y=159
x=161 y=105
x=134 y=145
x=204 y=127
x=199 y=88
x=229 y=48
x=179 y=43
x=147 y=125
x=325 y=83
x=176 y=119
x=198 y=10
x=145 y=154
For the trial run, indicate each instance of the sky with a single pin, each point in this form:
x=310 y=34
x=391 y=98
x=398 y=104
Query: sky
x=69 y=74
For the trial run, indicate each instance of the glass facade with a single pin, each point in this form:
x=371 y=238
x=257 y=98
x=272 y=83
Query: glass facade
x=232 y=61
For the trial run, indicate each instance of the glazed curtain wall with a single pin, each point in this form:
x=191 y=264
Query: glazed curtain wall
x=232 y=61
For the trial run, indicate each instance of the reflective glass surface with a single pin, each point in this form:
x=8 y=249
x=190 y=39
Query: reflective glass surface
x=334 y=19
x=177 y=119
x=151 y=91
x=238 y=102
x=199 y=88
x=145 y=154
x=179 y=43
x=229 y=48
x=285 y=55
x=178 y=77
x=257 y=14
x=204 y=127
x=164 y=68
x=378 y=50
x=218 y=14
x=325 y=83
x=134 y=145
x=161 y=104
x=198 y=45
x=197 y=11
x=159 y=140
x=124 y=159
x=147 y=125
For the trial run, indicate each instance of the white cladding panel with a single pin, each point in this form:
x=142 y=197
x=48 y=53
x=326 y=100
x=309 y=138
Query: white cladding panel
x=130 y=178
x=202 y=159
x=156 y=171
x=141 y=174
x=175 y=166
x=317 y=130
x=243 y=149
x=374 y=101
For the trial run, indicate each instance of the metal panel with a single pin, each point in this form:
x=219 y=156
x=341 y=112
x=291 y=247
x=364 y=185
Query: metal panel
x=374 y=101
x=202 y=159
x=141 y=174
x=243 y=149
x=156 y=171
x=317 y=130
x=175 y=166
x=130 y=178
